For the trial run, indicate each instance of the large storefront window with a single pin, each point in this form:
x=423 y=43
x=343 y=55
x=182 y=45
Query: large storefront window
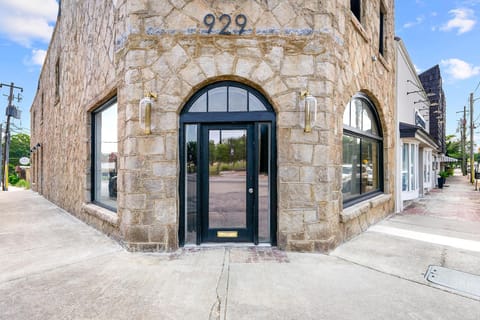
x=104 y=155
x=362 y=145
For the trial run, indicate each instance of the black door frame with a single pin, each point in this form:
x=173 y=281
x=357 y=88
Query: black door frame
x=248 y=233
x=221 y=119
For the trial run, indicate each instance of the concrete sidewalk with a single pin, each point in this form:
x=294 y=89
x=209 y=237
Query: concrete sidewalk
x=56 y=267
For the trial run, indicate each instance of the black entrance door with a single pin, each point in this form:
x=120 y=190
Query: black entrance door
x=228 y=166
x=228 y=182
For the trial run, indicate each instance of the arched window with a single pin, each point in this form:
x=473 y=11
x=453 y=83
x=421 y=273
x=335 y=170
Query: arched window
x=362 y=173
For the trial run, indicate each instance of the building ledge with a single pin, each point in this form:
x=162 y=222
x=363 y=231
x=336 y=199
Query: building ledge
x=101 y=213
x=363 y=207
x=358 y=26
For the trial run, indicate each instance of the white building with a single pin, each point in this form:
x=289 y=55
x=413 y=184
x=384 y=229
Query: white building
x=417 y=152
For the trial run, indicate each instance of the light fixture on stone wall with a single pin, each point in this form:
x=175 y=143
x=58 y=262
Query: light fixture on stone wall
x=145 y=112
x=309 y=107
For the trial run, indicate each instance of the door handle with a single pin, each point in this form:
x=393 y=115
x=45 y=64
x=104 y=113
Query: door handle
x=250 y=190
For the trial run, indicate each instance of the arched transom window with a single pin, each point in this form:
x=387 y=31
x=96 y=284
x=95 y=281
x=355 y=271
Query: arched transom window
x=362 y=174
x=227 y=98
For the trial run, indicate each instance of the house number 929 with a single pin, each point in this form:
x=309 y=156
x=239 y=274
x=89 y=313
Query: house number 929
x=226 y=20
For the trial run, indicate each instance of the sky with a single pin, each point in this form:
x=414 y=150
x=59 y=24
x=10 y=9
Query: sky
x=447 y=33
x=443 y=32
x=25 y=30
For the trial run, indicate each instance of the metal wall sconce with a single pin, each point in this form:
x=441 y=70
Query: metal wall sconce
x=309 y=106
x=430 y=94
x=145 y=112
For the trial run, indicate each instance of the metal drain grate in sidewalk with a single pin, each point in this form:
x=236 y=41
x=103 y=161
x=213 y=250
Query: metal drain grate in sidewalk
x=453 y=279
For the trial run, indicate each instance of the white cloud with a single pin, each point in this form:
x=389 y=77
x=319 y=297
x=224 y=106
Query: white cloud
x=417 y=21
x=459 y=69
x=35 y=59
x=463 y=20
x=25 y=22
x=38 y=56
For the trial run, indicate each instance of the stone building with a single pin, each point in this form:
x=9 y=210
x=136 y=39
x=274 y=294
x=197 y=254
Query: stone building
x=182 y=122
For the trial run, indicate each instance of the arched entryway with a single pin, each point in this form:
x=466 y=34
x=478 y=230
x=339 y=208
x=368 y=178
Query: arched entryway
x=227 y=166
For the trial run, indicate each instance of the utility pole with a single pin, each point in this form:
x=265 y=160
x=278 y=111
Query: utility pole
x=464 y=138
x=463 y=135
x=472 y=174
x=11 y=111
x=1 y=153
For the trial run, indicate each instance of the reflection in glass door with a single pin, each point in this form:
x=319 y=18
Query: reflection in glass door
x=228 y=208
x=227 y=178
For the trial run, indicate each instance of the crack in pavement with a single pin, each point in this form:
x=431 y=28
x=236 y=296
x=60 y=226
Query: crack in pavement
x=221 y=289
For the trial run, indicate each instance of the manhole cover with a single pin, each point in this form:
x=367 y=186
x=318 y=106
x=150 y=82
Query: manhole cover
x=453 y=279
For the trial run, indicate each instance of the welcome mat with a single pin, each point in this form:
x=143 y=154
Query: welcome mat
x=454 y=279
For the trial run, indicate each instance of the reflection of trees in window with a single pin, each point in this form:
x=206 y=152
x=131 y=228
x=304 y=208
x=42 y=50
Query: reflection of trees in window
x=229 y=154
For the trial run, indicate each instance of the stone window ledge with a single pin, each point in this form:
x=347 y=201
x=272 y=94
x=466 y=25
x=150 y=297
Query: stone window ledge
x=384 y=62
x=358 y=26
x=359 y=209
x=101 y=213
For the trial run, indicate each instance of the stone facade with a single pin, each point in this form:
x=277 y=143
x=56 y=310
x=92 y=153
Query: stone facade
x=105 y=48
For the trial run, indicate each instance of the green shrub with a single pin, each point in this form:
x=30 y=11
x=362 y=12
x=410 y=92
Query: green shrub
x=443 y=174
x=22 y=184
x=450 y=172
x=13 y=179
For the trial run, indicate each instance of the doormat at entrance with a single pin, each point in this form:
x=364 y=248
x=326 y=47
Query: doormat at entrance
x=457 y=280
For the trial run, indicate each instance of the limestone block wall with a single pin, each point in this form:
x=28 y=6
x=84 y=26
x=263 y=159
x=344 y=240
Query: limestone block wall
x=286 y=47
x=81 y=53
x=130 y=47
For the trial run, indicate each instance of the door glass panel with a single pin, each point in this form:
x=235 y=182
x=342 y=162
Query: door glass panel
x=405 y=165
x=191 y=167
x=217 y=100
x=264 y=183
x=227 y=178
x=237 y=99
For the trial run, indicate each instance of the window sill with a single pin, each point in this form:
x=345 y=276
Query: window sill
x=101 y=213
x=363 y=207
x=384 y=62
x=358 y=26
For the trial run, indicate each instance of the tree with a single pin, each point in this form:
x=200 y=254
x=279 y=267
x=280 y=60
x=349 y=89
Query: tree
x=19 y=147
x=454 y=149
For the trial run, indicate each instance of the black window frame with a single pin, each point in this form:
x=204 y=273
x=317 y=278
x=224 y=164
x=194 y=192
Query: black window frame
x=381 y=39
x=356 y=8
x=98 y=110
x=363 y=136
